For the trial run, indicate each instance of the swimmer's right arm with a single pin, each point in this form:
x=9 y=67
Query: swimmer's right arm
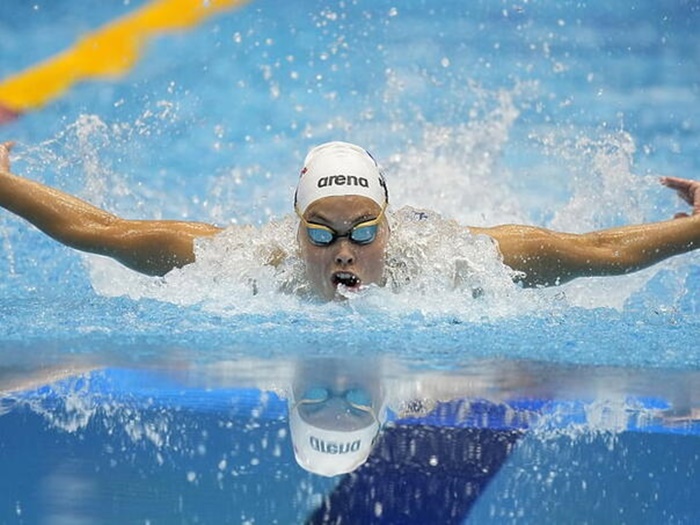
x=152 y=247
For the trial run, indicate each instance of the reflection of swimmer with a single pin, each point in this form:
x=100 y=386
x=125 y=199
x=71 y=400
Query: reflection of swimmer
x=336 y=410
x=341 y=200
x=337 y=406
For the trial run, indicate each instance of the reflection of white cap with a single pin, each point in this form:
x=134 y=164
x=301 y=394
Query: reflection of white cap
x=337 y=169
x=330 y=452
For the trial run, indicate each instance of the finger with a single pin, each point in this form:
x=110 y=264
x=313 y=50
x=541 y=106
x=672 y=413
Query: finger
x=686 y=195
x=691 y=195
x=686 y=189
x=675 y=183
x=5 y=148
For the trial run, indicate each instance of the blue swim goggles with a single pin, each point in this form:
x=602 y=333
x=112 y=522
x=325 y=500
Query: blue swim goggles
x=362 y=233
x=357 y=398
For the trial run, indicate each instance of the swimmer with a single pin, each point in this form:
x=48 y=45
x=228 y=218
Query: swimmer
x=341 y=200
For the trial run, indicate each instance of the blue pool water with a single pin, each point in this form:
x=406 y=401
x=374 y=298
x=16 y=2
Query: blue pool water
x=126 y=399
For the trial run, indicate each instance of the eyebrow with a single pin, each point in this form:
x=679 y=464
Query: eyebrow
x=357 y=220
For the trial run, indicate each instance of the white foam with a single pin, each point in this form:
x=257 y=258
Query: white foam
x=434 y=266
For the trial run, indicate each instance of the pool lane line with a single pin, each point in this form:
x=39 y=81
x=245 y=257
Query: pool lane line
x=108 y=52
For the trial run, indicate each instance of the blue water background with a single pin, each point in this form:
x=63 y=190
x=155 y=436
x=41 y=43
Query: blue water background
x=522 y=109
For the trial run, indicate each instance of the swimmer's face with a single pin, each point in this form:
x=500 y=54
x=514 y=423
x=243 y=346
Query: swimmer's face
x=343 y=262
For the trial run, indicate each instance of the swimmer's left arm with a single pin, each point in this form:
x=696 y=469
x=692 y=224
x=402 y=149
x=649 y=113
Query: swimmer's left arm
x=548 y=258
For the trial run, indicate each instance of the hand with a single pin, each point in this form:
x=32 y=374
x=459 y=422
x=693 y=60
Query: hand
x=5 y=148
x=688 y=190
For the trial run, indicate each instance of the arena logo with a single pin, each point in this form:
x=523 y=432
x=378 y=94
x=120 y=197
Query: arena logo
x=342 y=180
x=329 y=447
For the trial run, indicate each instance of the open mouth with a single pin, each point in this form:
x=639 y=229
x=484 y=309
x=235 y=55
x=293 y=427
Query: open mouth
x=347 y=279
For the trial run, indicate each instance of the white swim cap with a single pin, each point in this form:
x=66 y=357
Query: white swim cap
x=336 y=169
x=330 y=452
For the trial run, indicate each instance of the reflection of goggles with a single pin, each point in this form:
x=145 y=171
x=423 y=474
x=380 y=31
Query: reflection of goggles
x=357 y=398
x=362 y=233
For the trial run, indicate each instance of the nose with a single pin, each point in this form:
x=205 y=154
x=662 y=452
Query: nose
x=344 y=256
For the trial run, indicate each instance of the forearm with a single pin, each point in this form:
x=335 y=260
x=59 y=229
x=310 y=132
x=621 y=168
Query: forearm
x=54 y=212
x=632 y=248
x=150 y=247
x=547 y=258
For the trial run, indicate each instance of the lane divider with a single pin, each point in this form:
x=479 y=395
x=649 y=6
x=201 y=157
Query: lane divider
x=108 y=52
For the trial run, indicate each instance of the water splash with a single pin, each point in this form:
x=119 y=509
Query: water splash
x=457 y=170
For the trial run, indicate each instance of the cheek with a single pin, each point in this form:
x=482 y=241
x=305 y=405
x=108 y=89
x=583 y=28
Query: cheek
x=306 y=250
x=374 y=260
x=314 y=259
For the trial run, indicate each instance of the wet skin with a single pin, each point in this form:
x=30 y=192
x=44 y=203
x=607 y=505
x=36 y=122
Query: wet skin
x=343 y=263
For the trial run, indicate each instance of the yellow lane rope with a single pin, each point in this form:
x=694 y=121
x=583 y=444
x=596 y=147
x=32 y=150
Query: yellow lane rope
x=107 y=52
